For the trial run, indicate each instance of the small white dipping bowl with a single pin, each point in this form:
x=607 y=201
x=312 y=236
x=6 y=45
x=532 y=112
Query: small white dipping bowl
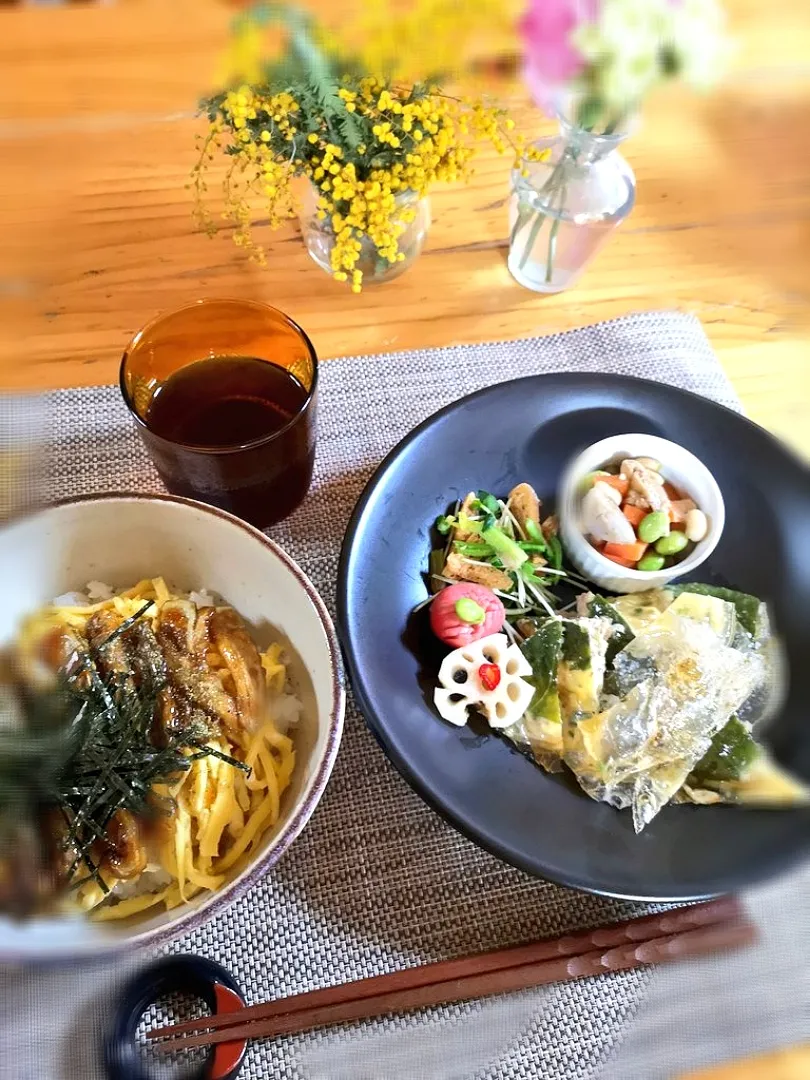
x=679 y=467
x=119 y=540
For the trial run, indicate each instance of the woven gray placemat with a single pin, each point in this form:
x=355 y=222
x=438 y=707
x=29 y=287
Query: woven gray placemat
x=377 y=881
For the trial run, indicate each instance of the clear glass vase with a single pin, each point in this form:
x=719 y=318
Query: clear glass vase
x=319 y=238
x=562 y=212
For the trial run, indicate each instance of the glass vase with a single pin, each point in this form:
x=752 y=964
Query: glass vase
x=319 y=238
x=566 y=207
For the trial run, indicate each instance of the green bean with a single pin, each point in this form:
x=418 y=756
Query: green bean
x=651 y=562
x=672 y=544
x=653 y=527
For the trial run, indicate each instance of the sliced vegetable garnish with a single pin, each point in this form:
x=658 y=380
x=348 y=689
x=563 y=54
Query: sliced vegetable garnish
x=488 y=502
x=490 y=676
x=467 y=524
x=534 y=532
x=473 y=550
x=556 y=552
x=505 y=548
x=445 y=524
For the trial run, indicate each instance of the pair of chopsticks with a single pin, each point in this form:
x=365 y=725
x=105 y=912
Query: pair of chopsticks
x=672 y=935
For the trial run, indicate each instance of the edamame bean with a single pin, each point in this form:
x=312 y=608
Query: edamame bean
x=651 y=562
x=672 y=544
x=653 y=527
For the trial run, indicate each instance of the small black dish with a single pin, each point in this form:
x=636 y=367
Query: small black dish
x=194 y=975
x=529 y=429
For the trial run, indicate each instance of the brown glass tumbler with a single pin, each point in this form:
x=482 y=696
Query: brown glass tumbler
x=201 y=382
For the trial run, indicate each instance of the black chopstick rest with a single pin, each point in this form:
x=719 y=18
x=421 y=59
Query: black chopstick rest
x=208 y=981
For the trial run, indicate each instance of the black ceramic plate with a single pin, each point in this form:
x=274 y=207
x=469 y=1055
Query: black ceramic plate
x=527 y=430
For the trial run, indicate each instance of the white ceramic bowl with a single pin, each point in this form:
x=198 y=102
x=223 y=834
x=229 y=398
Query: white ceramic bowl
x=680 y=467
x=118 y=540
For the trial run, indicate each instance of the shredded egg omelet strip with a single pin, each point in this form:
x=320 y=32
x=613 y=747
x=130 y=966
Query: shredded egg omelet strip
x=222 y=812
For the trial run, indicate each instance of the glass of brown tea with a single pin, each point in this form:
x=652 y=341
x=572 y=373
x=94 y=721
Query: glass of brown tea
x=223 y=393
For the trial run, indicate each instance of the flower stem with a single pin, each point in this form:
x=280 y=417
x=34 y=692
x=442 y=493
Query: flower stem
x=522 y=218
x=552 y=236
x=537 y=225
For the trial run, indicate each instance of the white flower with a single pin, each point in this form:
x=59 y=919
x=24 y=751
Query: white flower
x=635 y=44
x=698 y=41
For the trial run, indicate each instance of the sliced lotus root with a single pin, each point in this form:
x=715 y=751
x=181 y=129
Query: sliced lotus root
x=485 y=675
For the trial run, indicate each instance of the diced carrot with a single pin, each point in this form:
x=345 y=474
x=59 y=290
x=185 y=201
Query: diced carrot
x=634 y=514
x=631 y=552
x=621 y=484
x=672 y=491
x=598 y=544
x=622 y=562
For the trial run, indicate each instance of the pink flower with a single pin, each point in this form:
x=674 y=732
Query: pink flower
x=551 y=61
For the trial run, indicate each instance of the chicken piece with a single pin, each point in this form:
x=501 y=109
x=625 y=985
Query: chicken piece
x=61 y=649
x=646 y=483
x=525 y=505
x=459 y=568
x=466 y=508
x=176 y=626
x=631 y=466
x=634 y=498
x=145 y=656
x=202 y=631
x=125 y=853
x=110 y=656
x=194 y=686
x=236 y=647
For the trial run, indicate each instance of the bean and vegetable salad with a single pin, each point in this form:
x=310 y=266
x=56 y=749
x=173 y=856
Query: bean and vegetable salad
x=636 y=518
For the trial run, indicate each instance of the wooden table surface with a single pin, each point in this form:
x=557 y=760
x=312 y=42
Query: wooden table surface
x=97 y=139
x=97 y=134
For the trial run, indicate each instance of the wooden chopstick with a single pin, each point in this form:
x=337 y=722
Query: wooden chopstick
x=643 y=929
x=658 y=950
x=701 y=927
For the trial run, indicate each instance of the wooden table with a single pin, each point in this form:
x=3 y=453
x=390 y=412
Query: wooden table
x=97 y=134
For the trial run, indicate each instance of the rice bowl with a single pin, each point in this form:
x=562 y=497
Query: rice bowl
x=96 y=544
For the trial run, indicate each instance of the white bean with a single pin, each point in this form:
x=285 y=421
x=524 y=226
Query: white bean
x=696 y=525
